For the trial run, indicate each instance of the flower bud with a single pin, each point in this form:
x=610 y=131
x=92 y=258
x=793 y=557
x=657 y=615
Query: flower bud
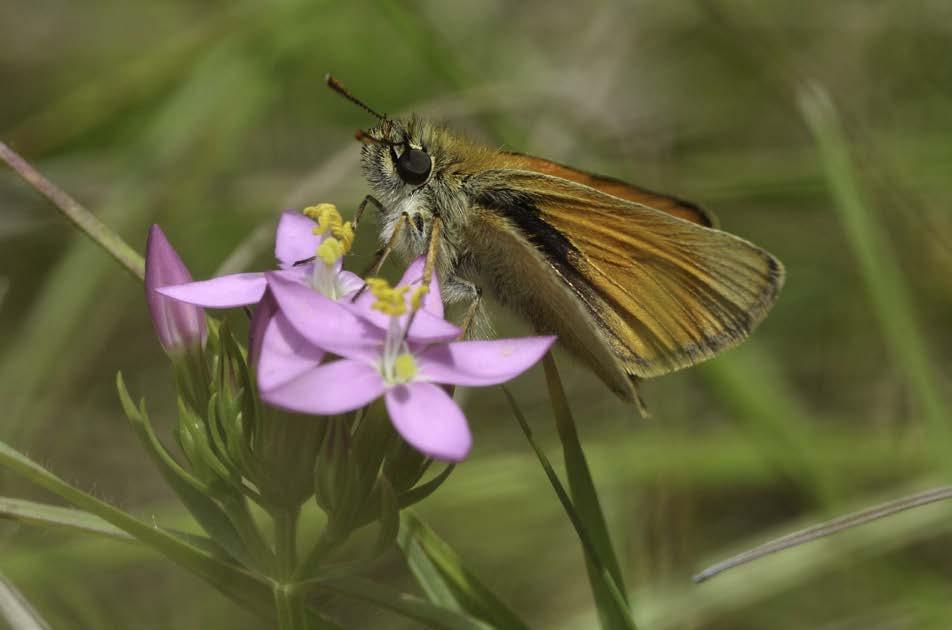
x=179 y=326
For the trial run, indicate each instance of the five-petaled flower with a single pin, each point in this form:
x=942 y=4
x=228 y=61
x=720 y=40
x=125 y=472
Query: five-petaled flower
x=405 y=362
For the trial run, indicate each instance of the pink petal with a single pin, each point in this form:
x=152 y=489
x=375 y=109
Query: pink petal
x=413 y=275
x=322 y=321
x=179 y=326
x=335 y=387
x=429 y=420
x=281 y=354
x=349 y=282
x=295 y=239
x=477 y=363
x=426 y=327
x=239 y=289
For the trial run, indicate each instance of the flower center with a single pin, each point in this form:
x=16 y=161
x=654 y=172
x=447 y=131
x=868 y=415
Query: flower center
x=404 y=367
x=398 y=366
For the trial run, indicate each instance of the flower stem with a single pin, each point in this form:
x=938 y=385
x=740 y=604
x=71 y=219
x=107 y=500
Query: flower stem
x=292 y=614
x=75 y=212
x=285 y=541
x=290 y=607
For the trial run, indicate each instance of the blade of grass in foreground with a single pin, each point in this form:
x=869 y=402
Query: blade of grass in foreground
x=884 y=281
x=613 y=611
x=584 y=496
x=444 y=578
x=16 y=610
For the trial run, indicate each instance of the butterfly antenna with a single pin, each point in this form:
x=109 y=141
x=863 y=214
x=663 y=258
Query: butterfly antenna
x=338 y=87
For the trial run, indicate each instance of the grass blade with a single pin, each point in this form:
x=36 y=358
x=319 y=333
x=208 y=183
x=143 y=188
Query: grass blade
x=612 y=607
x=445 y=579
x=403 y=604
x=584 y=496
x=16 y=610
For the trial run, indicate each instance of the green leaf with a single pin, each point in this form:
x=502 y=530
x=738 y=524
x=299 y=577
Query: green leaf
x=42 y=514
x=248 y=590
x=417 y=494
x=612 y=608
x=404 y=604
x=389 y=517
x=190 y=491
x=16 y=610
x=589 y=509
x=33 y=513
x=441 y=574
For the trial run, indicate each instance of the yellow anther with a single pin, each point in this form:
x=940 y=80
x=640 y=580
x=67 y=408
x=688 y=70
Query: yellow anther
x=416 y=298
x=390 y=300
x=326 y=215
x=404 y=367
x=330 y=251
x=345 y=234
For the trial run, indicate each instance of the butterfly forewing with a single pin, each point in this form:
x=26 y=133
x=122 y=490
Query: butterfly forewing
x=667 y=292
x=611 y=186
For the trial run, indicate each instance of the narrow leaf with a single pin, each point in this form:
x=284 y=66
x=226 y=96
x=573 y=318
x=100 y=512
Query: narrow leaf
x=403 y=604
x=16 y=610
x=584 y=495
x=190 y=491
x=243 y=587
x=613 y=609
x=439 y=569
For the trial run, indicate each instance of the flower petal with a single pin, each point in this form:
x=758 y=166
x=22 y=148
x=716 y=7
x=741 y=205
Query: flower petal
x=349 y=282
x=426 y=327
x=179 y=326
x=432 y=302
x=295 y=239
x=477 y=363
x=324 y=322
x=239 y=289
x=429 y=420
x=278 y=350
x=335 y=387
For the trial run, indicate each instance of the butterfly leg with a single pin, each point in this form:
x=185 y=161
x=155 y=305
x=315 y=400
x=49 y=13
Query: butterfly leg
x=382 y=254
x=363 y=204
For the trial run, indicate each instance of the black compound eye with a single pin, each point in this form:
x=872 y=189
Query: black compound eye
x=413 y=165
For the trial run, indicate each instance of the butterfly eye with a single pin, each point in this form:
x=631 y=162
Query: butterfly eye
x=413 y=165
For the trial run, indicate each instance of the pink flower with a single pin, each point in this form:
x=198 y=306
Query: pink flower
x=404 y=361
x=295 y=241
x=179 y=326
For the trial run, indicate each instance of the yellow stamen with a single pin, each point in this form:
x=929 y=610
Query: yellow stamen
x=330 y=251
x=404 y=367
x=390 y=300
x=345 y=234
x=416 y=298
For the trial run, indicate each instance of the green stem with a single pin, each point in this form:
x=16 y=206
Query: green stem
x=285 y=542
x=292 y=615
x=86 y=221
x=289 y=602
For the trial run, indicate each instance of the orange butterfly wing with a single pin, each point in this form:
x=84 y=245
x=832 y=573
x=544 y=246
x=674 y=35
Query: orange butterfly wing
x=666 y=292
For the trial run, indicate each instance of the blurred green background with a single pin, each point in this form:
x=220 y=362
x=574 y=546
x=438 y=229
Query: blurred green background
x=210 y=117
